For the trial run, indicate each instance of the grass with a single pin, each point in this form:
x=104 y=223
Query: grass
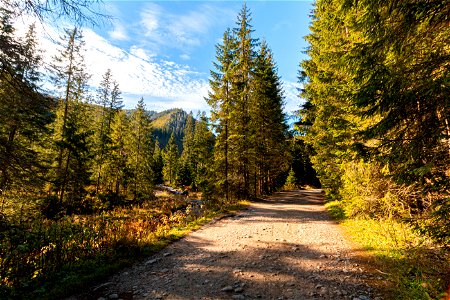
x=414 y=267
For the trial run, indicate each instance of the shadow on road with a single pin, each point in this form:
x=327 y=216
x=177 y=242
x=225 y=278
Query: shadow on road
x=282 y=247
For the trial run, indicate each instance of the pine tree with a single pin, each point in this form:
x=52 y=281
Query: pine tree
x=110 y=103
x=269 y=131
x=24 y=111
x=291 y=180
x=170 y=157
x=221 y=100
x=70 y=129
x=203 y=157
x=117 y=164
x=376 y=85
x=243 y=145
x=247 y=104
x=187 y=166
x=158 y=164
x=401 y=82
x=141 y=147
x=334 y=120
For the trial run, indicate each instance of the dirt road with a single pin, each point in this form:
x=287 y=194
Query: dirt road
x=284 y=247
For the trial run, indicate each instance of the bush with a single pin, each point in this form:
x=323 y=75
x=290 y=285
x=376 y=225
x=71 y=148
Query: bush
x=367 y=192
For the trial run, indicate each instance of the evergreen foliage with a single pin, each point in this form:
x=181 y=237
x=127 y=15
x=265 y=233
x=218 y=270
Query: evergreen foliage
x=377 y=91
x=246 y=101
x=24 y=111
x=71 y=134
x=170 y=157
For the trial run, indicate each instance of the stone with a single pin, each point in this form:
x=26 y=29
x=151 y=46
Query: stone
x=113 y=296
x=151 y=261
x=106 y=284
x=238 y=297
x=228 y=288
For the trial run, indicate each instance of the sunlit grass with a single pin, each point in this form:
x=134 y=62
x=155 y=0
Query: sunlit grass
x=414 y=267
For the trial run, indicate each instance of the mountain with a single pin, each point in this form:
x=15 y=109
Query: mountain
x=166 y=122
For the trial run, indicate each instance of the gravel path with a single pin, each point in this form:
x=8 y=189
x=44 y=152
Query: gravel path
x=284 y=247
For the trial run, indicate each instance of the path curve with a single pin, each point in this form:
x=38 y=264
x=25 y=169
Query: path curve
x=283 y=247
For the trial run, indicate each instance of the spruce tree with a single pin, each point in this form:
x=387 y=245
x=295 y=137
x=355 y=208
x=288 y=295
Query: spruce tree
x=170 y=157
x=117 y=166
x=141 y=147
x=222 y=102
x=203 y=158
x=24 y=111
x=268 y=127
x=158 y=164
x=70 y=129
x=240 y=129
x=247 y=104
x=110 y=103
x=187 y=165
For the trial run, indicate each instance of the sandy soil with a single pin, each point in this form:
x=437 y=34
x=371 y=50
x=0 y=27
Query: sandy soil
x=283 y=247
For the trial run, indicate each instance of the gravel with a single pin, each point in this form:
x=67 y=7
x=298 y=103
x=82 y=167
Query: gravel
x=282 y=247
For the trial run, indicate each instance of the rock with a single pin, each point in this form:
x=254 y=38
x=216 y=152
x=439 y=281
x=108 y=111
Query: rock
x=363 y=297
x=238 y=290
x=106 y=284
x=151 y=261
x=238 y=297
x=319 y=286
x=113 y=296
x=101 y=298
x=227 y=289
x=167 y=254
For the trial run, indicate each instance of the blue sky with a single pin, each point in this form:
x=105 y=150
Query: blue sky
x=164 y=50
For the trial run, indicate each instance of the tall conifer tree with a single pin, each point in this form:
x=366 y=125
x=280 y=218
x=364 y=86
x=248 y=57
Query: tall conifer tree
x=71 y=131
x=222 y=102
x=24 y=111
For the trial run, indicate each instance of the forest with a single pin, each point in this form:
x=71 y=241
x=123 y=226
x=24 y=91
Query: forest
x=377 y=111
x=85 y=182
x=88 y=186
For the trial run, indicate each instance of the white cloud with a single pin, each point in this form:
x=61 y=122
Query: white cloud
x=187 y=30
x=291 y=94
x=185 y=56
x=150 y=18
x=163 y=84
x=119 y=32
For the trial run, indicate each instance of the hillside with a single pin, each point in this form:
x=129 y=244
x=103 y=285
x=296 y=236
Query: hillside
x=167 y=122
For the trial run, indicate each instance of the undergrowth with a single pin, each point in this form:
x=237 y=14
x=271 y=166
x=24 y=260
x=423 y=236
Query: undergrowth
x=413 y=265
x=51 y=259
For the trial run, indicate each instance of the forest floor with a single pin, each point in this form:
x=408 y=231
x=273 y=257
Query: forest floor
x=282 y=247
